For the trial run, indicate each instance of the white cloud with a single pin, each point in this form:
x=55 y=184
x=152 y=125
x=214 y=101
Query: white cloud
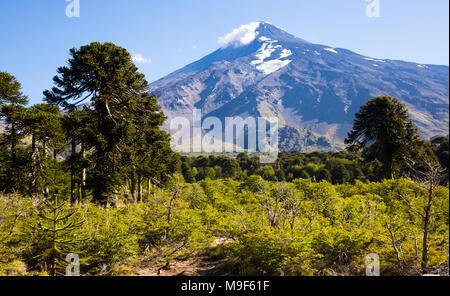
x=139 y=58
x=241 y=36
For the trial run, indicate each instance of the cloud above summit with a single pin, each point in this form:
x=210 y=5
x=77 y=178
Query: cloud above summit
x=241 y=36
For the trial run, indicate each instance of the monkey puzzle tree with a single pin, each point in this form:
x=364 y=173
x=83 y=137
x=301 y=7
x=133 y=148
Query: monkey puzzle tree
x=383 y=131
x=54 y=235
x=10 y=91
x=148 y=155
x=12 y=103
x=79 y=128
x=43 y=122
x=105 y=75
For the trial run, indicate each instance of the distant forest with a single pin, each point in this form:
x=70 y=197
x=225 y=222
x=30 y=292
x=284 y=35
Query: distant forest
x=334 y=167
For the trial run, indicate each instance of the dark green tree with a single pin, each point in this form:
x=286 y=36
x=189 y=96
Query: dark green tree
x=12 y=102
x=230 y=167
x=43 y=122
x=383 y=131
x=323 y=175
x=104 y=75
x=79 y=128
x=440 y=146
x=149 y=156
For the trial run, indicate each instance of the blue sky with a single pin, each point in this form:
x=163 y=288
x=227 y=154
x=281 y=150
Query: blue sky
x=36 y=35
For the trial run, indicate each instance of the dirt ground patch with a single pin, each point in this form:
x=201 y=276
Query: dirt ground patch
x=201 y=266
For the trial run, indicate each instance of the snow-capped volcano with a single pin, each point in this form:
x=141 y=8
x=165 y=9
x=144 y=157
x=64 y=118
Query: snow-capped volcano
x=315 y=90
x=271 y=56
x=264 y=31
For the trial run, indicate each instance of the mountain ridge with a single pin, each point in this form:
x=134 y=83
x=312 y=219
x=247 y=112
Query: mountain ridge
x=261 y=70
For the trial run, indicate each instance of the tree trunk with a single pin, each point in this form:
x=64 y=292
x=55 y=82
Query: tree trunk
x=11 y=168
x=139 y=187
x=78 y=195
x=13 y=143
x=394 y=245
x=72 y=177
x=170 y=207
x=33 y=184
x=425 y=246
x=426 y=226
x=133 y=187
x=44 y=156
x=83 y=174
x=416 y=248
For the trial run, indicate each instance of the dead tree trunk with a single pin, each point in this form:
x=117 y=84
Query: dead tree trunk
x=430 y=178
x=426 y=226
x=394 y=245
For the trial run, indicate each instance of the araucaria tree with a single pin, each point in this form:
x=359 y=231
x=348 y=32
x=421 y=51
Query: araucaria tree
x=384 y=132
x=43 y=123
x=78 y=126
x=12 y=102
x=104 y=76
x=54 y=235
x=148 y=155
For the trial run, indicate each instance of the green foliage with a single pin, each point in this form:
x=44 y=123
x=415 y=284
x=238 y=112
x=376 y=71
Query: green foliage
x=258 y=227
x=112 y=238
x=10 y=90
x=53 y=236
x=272 y=252
x=15 y=217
